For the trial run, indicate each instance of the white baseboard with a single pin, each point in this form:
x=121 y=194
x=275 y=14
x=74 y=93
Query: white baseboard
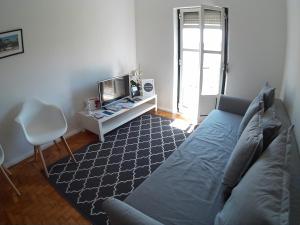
x=29 y=153
x=166 y=109
x=18 y=159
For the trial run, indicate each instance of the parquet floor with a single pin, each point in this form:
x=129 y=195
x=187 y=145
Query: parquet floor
x=40 y=203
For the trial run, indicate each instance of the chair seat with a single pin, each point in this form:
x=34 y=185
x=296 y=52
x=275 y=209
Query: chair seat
x=42 y=135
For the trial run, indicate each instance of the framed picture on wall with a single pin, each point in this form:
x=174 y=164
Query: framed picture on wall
x=11 y=43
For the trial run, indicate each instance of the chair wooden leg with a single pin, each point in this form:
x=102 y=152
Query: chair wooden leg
x=35 y=154
x=9 y=180
x=68 y=148
x=57 y=146
x=43 y=160
x=6 y=170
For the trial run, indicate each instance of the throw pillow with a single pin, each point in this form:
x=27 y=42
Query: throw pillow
x=247 y=149
x=255 y=106
x=262 y=196
x=271 y=126
x=268 y=95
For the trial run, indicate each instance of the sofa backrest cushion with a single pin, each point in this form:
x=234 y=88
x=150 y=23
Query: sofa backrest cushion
x=247 y=149
x=294 y=164
x=271 y=127
x=267 y=96
x=255 y=106
x=262 y=196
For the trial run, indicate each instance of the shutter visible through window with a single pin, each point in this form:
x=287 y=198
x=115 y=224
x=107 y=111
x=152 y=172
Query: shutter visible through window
x=191 y=18
x=212 y=18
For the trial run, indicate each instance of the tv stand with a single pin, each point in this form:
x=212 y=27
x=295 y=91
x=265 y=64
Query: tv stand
x=110 y=122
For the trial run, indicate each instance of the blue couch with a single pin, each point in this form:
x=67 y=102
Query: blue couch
x=187 y=189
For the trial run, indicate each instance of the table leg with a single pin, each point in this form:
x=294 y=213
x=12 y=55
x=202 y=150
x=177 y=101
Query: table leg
x=101 y=135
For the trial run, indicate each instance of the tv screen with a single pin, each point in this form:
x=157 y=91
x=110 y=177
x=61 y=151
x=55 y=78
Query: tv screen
x=114 y=89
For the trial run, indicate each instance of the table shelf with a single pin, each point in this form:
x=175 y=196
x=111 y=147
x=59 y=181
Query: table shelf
x=108 y=123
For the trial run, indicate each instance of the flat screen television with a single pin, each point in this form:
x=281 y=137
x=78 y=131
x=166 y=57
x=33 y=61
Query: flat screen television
x=113 y=89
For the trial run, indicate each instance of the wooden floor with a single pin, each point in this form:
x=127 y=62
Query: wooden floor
x=40 y=203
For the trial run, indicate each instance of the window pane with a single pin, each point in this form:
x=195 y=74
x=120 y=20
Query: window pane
x=212 y=18
x=191 y=66
x=212 y=39
x=191 y=38
x=191 y=18
x=211 y=74
x=190 y=78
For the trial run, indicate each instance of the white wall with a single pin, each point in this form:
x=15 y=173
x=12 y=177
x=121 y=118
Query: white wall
x=256 y=44
x=291 y=80
x=69 y=45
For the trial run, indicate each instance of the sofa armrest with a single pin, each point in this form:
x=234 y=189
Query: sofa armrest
x=120 y=213
x=233 y=105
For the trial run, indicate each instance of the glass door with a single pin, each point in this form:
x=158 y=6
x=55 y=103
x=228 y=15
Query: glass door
x=201 y=59
x=190 y=35
x=212 y=58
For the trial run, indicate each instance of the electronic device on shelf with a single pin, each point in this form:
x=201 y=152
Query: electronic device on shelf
x=108 y=113
x=137 y=99
x=113 y=89
x=130 y=100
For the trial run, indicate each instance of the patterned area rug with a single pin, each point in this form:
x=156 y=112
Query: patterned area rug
x=116 y=167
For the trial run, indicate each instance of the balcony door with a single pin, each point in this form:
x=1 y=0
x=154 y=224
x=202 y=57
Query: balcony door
x=201 y=60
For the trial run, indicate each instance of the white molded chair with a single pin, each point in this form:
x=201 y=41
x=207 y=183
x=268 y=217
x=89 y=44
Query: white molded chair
x=43 y=123
x=6 y=172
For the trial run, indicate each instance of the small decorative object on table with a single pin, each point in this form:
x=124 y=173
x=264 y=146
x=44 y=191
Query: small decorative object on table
x=134 y=89
x=135 y=82
x=91 y=104
x=148 y=87
x=11 y=43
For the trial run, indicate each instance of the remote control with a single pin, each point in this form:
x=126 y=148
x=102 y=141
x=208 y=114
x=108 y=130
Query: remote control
x=130 y=100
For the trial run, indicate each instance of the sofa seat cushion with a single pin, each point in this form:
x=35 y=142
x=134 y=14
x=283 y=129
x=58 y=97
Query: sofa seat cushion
x=187 y=188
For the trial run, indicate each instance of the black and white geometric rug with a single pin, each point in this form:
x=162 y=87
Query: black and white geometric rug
x=116 y=167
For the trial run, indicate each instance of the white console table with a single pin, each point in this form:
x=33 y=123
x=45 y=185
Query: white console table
x=109 y=123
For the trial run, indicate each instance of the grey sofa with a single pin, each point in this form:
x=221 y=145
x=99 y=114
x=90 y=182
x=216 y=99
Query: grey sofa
x=187 y=188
